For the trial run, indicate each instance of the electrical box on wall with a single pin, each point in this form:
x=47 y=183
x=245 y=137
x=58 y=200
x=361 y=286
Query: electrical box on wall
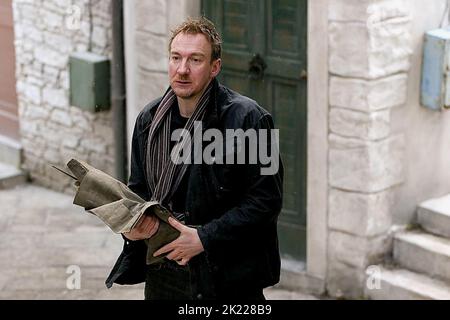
x=435 y=87
x=89 y=81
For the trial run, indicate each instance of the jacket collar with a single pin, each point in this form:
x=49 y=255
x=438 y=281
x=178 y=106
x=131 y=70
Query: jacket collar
x=212 y=113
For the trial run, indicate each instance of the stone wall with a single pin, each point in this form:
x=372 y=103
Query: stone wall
x=369 y=43
x=52 y=131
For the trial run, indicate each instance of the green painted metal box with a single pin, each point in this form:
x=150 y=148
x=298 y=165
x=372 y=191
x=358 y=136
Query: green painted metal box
x=90 y=81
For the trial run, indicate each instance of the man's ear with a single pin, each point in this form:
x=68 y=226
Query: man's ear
x=216 y=67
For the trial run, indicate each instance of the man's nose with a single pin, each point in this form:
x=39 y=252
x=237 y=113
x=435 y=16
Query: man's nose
x=183 y=67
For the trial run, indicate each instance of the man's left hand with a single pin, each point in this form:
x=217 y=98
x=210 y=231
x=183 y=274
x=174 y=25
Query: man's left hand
x=186 y=246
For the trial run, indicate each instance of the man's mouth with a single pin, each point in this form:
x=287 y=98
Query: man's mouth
x=183 y=82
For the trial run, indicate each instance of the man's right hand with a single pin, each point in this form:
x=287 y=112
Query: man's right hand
x=145 y=228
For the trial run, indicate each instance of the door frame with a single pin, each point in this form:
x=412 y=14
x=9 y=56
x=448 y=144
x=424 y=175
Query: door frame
x=312 y=277
x=317 y=180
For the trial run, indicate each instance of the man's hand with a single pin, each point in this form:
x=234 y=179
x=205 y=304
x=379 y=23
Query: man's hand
x=145 y=228
x=186 y=246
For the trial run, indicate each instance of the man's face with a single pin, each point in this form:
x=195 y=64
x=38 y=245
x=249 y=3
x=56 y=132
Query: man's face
x=190 y=66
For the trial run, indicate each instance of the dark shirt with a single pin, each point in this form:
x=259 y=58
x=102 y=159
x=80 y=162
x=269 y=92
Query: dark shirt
x=179 y=197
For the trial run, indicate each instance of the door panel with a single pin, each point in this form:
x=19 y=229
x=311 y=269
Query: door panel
x=276 y=30
x=9 y=123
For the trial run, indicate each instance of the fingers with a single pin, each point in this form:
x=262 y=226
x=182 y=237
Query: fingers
x=146 y=228
x=175 y=255
x=147 y=223
x=154 y=229
x=183 y=261
x=129 y=236
x=176 y=224
x=166 y=248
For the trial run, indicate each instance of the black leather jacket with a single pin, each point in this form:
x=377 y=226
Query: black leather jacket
x=235 y=207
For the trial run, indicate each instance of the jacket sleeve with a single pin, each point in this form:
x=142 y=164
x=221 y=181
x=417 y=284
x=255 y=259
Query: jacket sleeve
x=137 y=182
x=259 y=207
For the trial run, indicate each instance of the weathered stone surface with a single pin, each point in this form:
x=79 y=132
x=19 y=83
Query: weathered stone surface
x=58 y=42
x=151 y=86
x=363 y=10
x=367 y=126
x=368 y=95
x=402 y=284
x=44 y=38
x=370 y=50
x=50 y=57
x=423 y=252
x=152 y=51
x=61 y=117
x=434 y=216
x=356 y=251
x=363 y=166
x=180 y=9
x=35 y=259
x=100 y=36
x=151 y=16
x=33 y=93
x=364 y=215
x=345 y=281
x=55 y=97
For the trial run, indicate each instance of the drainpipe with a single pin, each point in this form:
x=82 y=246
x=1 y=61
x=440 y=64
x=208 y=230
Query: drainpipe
x=118 y=92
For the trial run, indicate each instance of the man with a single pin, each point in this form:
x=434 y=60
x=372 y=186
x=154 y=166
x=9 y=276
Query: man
x=226 y=213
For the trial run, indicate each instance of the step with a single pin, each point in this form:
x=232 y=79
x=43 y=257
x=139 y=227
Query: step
x=402 y=284
x=10 y=176
x=10 y=152
x=434 y=216
x=423 y=252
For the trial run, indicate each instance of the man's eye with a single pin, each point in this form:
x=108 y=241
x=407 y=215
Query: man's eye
x=175 y=58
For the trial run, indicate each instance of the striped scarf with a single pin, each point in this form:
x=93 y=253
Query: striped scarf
x=164 y=175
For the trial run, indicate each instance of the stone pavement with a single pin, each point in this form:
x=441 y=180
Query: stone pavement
x=43 y=235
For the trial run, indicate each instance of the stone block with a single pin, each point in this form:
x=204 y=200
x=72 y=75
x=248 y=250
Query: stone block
x=345 y=281
x=367 y=126
x=368 y=95
x=99 y=36
x=151 y=16
x=402 y=284
x=55 y=97
x=151 y=86
x=180 y=10
x=58 y=42
x=32 y=93
x=364 y=215
x=423 y=252
x=61 y=117
x=94 y=145
x=370 y=51
x=71 y=141
x=366 y=166
x=364 y=10
x=356 y=251
x=50 y=57
x=52 y=21
x=152 y=52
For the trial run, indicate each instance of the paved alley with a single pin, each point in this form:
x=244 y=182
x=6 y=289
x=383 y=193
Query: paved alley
x=45 y=240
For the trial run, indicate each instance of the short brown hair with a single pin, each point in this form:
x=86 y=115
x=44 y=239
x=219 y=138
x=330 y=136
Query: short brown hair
x=205 y=27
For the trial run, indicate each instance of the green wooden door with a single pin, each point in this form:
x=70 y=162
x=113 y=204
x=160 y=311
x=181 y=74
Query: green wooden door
x=272 y=34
